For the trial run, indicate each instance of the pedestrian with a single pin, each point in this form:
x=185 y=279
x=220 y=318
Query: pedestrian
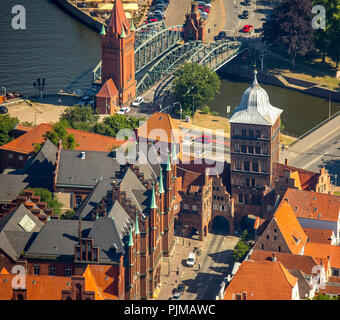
x=59 y=101
x=199 y=266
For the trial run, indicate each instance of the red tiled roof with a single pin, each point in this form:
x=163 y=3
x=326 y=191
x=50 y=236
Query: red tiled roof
x=118 y=19
x=290 y=261
x=318 y=235
x=313 y=205
x=20 y=127
x=160 y=127
x=38 y=287
x=335 y=290
x=322 y=250
x=308 y=179
x=290 y=228
x=86 y=141
x=261 y=280
x=108 y=90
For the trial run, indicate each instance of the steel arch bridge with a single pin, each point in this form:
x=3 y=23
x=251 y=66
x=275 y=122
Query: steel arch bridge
x=212 y=55
x=151 y=42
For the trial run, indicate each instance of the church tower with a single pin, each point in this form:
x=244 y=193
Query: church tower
x=255 y=145
x=118 y=61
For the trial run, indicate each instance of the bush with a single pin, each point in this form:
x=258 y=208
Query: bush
x=205 y=110
x=240 y=251
x=215 y=114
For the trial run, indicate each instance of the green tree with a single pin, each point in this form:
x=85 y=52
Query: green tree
x=205 y=110
x=321 y=296
x=240 y=251
x=59 y=132
x=47 y=196
x=81 y=118
x=111 y=125
x=194 y=84
x=327 y=40
x=290 y=28
x=7 y=124
x=68 y=215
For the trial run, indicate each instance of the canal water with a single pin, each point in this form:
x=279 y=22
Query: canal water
x=59 y=48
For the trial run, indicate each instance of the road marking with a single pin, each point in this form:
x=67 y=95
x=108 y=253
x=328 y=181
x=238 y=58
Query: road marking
x=316 y=159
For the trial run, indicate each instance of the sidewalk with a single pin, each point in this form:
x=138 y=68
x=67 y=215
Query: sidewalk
x=169 y=277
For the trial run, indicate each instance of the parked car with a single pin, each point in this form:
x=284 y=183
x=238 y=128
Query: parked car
x=138 y=101
x=247 y=2
x=3 y=110
x=245 y=14
x=191 y=259
x=124 y=110
x=177 y=295
x=203 y=139
x=247 y=28
x=221 y=36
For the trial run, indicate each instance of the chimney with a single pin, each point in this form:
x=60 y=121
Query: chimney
x=82 y=155
x=274 y=257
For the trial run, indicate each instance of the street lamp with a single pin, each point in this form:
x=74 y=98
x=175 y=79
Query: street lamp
x=180 y=110
x=40 y=86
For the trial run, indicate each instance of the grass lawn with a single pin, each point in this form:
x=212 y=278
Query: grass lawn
x=309 y=69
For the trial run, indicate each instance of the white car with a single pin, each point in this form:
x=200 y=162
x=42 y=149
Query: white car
x=191 y=259
x=138 y=102
x=124 y=110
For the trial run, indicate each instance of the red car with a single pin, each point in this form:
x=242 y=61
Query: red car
x=206 y=9
x=203 y=139
x=247 y=28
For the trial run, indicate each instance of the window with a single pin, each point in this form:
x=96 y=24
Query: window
x=275 y=237
x=244 y=149
x=247 y=182
x=238 y=165
x=267 y=236
x=265 y=149
x=10 y=155
x=279 y=249
x=194 y=208
x=240 y=198
x=259 y=200
x=246 y=199
x=255 y=166
x=258 y=133
x=78 y=199
x=68 y=271
x=335 y=273
x=237 y=147
x=246 y=166
x=186 y=206
x=51 y=270
x=251 y=133
x=265 y=134
x=36 y=269
x=264 y=166
x=244 y=132
x=251 y=149
x=21 y=158
x=253 y=182
x=258 y=150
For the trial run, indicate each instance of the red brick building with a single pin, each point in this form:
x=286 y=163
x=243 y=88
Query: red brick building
x=194 y=26
x=255 y=142
x=118 y=62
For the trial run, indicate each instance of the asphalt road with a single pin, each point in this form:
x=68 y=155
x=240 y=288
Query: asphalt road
x=234 y=23
x=326 y=152
x=216 y=262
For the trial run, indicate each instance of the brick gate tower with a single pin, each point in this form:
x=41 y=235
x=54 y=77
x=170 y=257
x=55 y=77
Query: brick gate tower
x=255 y=142
x=118 y=63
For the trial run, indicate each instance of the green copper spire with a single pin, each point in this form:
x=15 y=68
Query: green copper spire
x=168 y=166
x=153 y=199
x=174 y=153
x=96 y=216
x=103 y=32
x=130 y=239
x=161 y=187
x=137 y=226
x=123 y=35
x=132 y=28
